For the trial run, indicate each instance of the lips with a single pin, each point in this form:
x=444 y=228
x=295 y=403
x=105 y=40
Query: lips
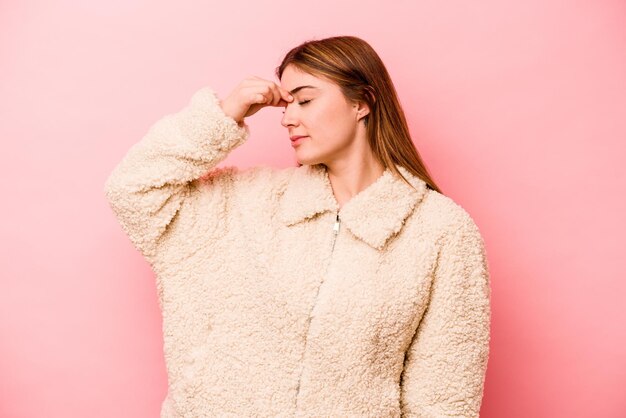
x=297 y=139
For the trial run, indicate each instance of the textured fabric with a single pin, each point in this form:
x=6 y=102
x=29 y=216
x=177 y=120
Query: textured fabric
x=270 y=310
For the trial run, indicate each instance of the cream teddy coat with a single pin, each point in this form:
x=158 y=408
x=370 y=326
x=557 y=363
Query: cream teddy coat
x=277 y=303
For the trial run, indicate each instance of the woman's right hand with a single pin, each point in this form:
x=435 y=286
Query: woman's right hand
x=252 y=94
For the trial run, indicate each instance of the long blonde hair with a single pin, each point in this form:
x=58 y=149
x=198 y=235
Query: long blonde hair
x=356 y=68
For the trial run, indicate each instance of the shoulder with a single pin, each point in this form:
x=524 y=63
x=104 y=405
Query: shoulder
x=461 y=244
x=446 y=217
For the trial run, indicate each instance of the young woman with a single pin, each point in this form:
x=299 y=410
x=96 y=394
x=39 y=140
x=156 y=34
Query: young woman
x=346 y=286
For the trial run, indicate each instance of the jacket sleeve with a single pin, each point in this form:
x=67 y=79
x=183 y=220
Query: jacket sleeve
x=445 y=365
x=148 y=187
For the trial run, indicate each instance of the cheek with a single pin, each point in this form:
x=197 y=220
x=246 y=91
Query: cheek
x=334 y=124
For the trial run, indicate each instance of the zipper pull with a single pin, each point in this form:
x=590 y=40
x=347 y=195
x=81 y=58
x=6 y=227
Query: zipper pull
x=336 y=226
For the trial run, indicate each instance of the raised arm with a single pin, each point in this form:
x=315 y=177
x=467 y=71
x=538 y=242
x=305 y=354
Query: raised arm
x=447 y=360
x=146 y=189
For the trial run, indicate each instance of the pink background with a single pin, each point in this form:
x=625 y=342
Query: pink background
x=518 y=108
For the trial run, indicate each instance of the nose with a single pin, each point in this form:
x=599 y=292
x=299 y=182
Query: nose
x=288 y=117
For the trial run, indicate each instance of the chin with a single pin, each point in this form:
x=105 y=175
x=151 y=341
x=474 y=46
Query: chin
x=308 y=156
x=308 y=160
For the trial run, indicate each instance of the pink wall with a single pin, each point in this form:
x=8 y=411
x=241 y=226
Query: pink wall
x=518 y=107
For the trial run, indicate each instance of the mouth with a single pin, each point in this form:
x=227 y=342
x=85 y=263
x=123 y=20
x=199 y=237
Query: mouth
x=295 y=140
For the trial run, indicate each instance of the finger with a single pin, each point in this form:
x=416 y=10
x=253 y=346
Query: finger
x=269 y=93
x=284 y=93
x=266 y=91
x=273 y=91
x=254 y=95
x=277 y=94
x=258 y=98
x=286 y=97
x=282 y=96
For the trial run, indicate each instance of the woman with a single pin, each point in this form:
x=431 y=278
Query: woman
x=346 y=286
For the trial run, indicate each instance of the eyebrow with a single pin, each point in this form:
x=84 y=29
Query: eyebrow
x=297 y=89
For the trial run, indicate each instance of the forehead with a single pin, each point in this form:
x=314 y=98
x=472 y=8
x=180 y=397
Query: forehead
x=293 y=78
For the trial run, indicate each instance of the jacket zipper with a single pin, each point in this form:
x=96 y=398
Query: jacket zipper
x=336 y=226
x=335 y=231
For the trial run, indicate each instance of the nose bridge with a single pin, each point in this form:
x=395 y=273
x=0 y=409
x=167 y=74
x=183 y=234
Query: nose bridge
x=288 y=115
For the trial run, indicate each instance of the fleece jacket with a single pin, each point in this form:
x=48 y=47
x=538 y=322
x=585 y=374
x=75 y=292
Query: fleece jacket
x=278 y=302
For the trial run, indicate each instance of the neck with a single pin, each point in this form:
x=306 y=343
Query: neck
x=348 y=178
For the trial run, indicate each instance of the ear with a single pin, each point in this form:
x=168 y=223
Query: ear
x=362 y=110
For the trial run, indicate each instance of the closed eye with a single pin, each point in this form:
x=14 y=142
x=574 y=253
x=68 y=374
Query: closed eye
x=302 y=103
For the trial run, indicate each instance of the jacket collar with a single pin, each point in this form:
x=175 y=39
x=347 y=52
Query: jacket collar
x=373 y=215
